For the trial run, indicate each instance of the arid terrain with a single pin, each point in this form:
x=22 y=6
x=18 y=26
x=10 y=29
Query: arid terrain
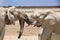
x=12 y=31
x=30 y=33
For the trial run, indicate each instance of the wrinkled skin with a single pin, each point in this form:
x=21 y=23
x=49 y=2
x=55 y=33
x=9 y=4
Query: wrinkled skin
x=50 y=24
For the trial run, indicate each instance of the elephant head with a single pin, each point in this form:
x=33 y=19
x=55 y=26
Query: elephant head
x=9 y=18
x=39 y=20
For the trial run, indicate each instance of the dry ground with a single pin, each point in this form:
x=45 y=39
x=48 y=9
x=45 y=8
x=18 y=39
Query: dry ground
x=30 y=33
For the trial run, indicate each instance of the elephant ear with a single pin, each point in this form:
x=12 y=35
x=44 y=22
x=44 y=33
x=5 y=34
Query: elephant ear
x=9 y=19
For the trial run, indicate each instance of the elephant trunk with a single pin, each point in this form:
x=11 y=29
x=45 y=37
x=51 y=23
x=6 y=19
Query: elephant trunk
x=21 y=22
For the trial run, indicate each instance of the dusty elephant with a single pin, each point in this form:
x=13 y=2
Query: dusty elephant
x=17 y=15
x=50 y=23
x=3 y=21
x=9 y=17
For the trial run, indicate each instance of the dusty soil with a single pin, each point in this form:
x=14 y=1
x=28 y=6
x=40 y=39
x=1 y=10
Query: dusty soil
x=12 y=31
x=30 y=33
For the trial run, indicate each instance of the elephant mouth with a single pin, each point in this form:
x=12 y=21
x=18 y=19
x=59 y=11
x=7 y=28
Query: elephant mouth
x=39 y=25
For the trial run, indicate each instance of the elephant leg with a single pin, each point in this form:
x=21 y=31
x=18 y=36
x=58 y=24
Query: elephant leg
x=46 y=35
x=2 y=27
x=21 y=21
x=47 y=31
x=2 y=33
x=2 y=30
x=40 y=33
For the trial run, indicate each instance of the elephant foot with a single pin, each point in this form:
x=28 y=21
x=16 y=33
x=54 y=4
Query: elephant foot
x=19 y=36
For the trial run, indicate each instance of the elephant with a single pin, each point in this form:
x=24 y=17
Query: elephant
x=4 y=20
x=14 y=15
x=49 y=21
x=9 y=16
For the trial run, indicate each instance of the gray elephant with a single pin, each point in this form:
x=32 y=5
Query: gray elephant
x=50 y=22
